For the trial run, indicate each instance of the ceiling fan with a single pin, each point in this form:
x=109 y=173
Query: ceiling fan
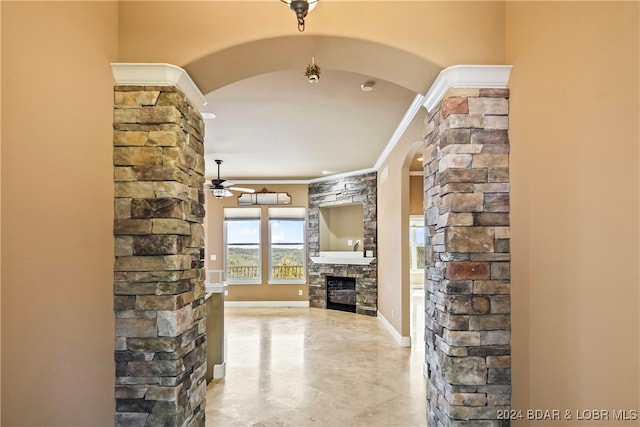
x=220 y=187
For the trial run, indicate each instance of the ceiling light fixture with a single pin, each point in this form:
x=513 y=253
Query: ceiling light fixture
x=301 y=8
x=219 y=193
x=367 y=86
x=312 y=72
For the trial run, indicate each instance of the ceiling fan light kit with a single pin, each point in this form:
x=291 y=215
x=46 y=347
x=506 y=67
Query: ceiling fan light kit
x=301 y=8
x=219 y=193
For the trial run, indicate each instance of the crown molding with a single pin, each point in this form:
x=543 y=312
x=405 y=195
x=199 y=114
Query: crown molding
x=487 y=76
x=473 y=76
x=152 y=74
x=400 y=129
x=342 y=175
x=301 y=181
x=267 y=181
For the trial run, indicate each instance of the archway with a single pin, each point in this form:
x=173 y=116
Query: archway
x=220 y=68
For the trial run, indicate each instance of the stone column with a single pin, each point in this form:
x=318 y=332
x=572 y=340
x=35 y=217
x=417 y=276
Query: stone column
x=467 y=333
x=159 y=280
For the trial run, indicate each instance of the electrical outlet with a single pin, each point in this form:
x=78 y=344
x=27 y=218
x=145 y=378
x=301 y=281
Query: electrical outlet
x=349 y=242
x=299 y=291
x=226 y=293
x=212 y=257
x=391 y=314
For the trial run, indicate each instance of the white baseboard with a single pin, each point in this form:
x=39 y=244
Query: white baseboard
x=402 y=341
x=247 y=304
x=220 y=370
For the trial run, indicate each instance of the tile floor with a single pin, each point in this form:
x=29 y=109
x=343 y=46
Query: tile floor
x=314 y=367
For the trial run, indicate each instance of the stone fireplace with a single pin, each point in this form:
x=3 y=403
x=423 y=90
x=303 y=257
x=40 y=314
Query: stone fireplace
x=356 y=189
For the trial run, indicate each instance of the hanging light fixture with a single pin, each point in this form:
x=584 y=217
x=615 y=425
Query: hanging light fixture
x=301 y=8
x=312 y=72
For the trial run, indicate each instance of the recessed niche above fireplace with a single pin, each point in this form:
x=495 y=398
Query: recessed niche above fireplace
x=341 y=228
x=341 y=235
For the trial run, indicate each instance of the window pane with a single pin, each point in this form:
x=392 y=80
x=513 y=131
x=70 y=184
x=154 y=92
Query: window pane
x=417 y=247
x=243 y=262
x=242 y=242
x=287 y=231
x=287 y=262
x=420 y=236
x=287 y=250
x=243 y=231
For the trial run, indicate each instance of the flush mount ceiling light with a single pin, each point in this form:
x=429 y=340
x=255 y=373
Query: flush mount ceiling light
x=301 y=8
x=367 y=86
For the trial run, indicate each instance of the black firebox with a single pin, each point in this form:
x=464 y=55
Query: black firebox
x=341 y=293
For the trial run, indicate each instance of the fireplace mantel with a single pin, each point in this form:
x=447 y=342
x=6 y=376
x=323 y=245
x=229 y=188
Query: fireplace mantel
x=342 y=257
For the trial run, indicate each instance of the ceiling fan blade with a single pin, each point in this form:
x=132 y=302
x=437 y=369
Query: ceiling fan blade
x=243 y=189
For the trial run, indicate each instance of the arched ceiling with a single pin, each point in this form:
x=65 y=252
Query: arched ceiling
x=271 y=124
x=293 y=52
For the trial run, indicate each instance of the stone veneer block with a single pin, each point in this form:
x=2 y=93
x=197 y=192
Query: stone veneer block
x=455 y=105
x=463 y=202
x=470 y=239
x=467 y=301
x=158 y=290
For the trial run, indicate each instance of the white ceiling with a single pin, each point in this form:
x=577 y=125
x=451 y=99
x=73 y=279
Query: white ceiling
x=278 y=126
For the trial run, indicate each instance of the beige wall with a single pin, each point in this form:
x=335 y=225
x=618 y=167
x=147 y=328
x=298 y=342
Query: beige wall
x=416 y=207
x=214 y=226
x=416 y=195
x=574 y=166
x=57 y=213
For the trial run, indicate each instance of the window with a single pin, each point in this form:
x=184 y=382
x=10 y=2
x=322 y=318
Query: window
x=416 y=242
x=242 y=245
x=287 y=254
